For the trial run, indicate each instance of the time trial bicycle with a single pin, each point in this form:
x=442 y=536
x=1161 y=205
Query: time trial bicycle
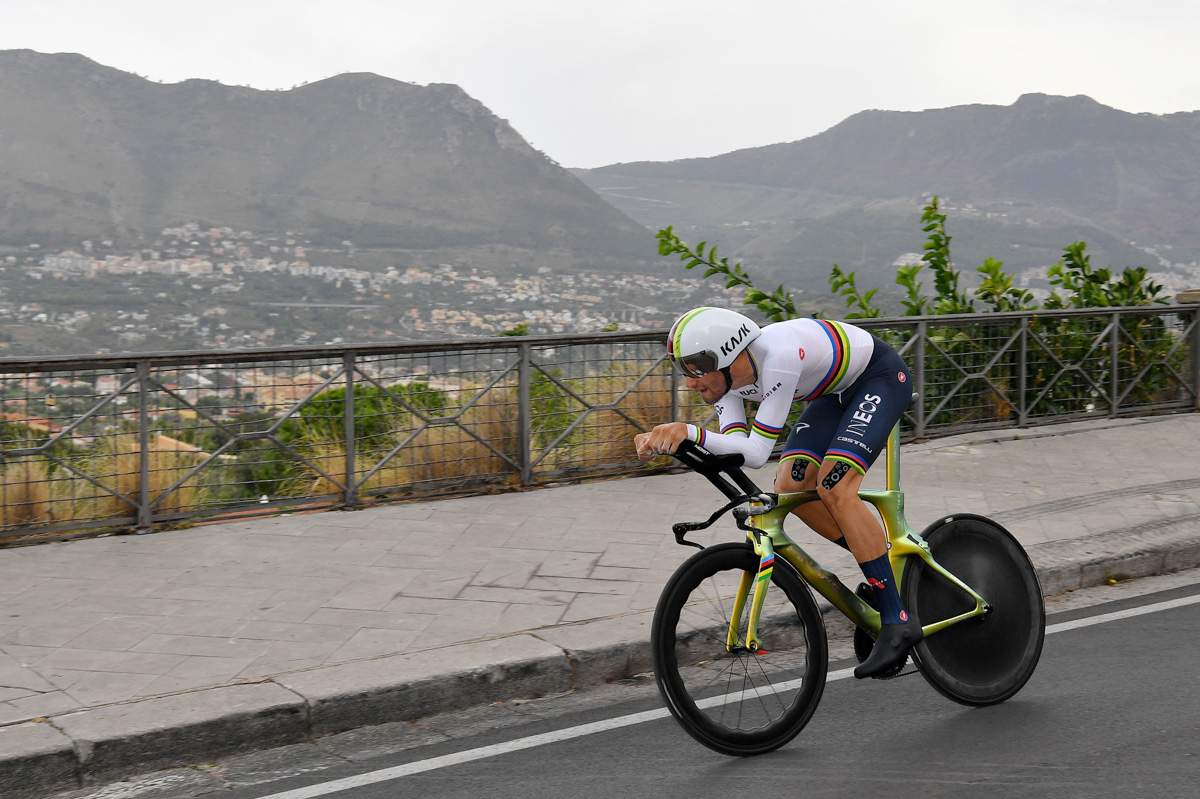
x=739 y=646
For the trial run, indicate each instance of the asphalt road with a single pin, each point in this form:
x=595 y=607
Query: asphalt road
x=1113 y=710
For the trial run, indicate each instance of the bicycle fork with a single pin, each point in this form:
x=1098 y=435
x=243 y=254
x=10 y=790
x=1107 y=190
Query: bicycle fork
x=759 y=580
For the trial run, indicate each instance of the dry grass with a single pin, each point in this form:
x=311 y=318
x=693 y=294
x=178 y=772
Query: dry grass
x=117 y=466
x=442 y=452
x=606 y=437
x=27 y=493
x=446 y=452
x=481 y=444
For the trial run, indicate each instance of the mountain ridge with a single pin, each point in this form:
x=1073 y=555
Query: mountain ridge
x=88 y=150
x=1044 y=163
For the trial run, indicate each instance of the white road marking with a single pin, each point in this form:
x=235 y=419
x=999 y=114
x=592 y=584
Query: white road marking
x=469 y=755
x=1122 y=614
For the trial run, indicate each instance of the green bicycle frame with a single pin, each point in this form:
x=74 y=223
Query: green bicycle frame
x=770 y=541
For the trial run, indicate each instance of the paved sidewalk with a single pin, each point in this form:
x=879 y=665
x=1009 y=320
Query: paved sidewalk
x=126 y=654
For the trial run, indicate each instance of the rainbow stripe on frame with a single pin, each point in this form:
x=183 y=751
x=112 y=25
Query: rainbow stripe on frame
x=765 y=567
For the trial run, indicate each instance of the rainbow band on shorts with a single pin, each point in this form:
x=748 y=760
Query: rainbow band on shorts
x=847 y=457
x=806 y=454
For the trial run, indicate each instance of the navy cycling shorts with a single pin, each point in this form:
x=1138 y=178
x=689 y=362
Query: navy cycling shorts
x=853 y=426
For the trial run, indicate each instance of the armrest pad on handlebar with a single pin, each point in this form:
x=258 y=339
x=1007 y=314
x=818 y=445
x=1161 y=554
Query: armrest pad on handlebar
x=691 y=453
x=714 y=467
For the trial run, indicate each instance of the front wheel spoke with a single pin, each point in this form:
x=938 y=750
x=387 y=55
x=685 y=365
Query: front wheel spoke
x=723 y=699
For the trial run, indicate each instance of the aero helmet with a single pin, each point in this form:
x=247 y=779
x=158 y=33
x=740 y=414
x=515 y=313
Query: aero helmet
x=707 y=340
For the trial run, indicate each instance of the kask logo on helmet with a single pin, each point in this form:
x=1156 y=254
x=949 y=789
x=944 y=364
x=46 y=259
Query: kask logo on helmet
x=735 y=340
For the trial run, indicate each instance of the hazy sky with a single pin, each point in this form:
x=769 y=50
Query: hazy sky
x=593 y=82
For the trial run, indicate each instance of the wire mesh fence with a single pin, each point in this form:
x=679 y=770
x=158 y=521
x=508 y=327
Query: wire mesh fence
x=135 y=442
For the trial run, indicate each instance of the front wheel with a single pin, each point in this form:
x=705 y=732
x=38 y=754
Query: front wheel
x=986 y=660
x=740 y=702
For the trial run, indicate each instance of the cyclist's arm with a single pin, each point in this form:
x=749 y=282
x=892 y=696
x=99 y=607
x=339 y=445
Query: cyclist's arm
x=755 y=441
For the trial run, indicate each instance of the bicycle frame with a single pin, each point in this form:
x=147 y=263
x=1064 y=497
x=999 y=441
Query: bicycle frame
x=770 y=541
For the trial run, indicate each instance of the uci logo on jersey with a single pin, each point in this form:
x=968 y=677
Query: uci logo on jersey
x=735 y=339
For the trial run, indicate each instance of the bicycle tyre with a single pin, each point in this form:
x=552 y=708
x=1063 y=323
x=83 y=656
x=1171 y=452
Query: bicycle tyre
x=745 y=703
x=985 y=661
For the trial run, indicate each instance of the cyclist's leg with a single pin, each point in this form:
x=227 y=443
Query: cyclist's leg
x=837 y=485
x=801 y=460
x=873 y=406
x=869 y=410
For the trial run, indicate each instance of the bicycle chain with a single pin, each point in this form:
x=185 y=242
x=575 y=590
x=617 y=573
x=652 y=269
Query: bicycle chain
x=900 y=673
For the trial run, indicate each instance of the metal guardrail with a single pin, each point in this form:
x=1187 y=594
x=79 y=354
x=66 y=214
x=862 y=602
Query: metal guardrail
x=133 y=442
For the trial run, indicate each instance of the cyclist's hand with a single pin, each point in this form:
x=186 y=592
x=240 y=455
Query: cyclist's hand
x=662 y=440
x=642 y=442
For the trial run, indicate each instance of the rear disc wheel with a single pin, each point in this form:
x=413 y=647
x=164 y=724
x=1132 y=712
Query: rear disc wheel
x=978 y=661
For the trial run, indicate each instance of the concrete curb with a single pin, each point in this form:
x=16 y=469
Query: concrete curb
x=101 y=744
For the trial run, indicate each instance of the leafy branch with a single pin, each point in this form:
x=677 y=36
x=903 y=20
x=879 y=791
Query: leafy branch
x=1082 y=286
x=776 y=305
x=843 y=283
x=937 y=255
x=1089 y=288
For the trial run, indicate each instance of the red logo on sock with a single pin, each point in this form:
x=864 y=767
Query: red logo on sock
x=903 y=616
x=901 y=376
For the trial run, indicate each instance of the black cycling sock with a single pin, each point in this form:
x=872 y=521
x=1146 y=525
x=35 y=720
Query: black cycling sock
x=879 y=576
x=841 y=542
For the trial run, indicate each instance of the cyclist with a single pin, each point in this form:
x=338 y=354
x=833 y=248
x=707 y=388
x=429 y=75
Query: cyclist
x=856 y=387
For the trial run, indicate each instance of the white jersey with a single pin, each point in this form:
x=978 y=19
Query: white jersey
x=798 y=359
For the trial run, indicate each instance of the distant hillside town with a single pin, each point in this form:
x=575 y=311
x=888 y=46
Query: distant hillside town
x=198 y=287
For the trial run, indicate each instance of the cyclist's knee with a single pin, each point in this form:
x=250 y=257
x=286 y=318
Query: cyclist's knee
x=797 y=474
x=838 y=484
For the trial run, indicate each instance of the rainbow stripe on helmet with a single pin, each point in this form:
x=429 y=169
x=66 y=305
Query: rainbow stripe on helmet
x=673 y=338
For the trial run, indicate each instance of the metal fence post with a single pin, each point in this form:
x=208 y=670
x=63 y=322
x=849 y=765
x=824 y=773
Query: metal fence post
x=674 y=393
x=1023 y=373
x=145 y=514
x=350 y=495
x=1114 y=364
x=1196 y=356
x=524 y=419
x=919 y=379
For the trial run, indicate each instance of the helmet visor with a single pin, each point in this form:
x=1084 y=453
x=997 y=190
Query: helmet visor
x=697 y=364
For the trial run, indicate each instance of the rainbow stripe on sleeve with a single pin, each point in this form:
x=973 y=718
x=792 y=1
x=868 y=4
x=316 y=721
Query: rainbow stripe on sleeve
x=765 y=430
x=841 y=357
x=736 y=427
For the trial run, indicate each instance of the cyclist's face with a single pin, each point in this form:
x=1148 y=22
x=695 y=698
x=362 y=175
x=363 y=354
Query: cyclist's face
x=710 y=387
